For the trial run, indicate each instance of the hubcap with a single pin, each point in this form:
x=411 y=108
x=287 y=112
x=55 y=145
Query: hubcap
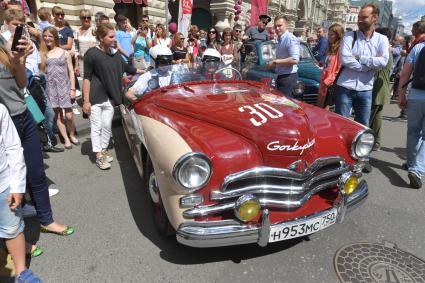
x=153 y=188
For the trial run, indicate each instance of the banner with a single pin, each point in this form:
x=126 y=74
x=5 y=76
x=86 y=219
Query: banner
x=258 y=7
x=185 y=16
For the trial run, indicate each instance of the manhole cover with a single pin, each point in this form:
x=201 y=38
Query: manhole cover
x=380 y=263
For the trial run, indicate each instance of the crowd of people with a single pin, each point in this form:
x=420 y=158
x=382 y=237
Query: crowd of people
x=50 y=59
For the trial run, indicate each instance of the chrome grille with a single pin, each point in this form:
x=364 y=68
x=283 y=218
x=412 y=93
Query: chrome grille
x=282 y=187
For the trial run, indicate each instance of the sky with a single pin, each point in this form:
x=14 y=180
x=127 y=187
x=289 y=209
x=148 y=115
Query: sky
x=410 y=11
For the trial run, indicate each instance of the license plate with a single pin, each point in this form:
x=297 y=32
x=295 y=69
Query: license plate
x=301 y=228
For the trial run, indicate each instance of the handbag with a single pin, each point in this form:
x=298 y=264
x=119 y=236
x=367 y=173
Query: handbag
x=33 y=107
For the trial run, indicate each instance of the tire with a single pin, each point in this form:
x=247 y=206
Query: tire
x=159 y=214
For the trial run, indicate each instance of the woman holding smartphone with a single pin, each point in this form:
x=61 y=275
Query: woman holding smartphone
x=141 y=44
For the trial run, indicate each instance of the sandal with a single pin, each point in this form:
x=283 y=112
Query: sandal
x=68 y=231
x=35 y=252
x=27 y=276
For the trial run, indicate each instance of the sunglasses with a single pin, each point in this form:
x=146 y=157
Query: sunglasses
x=238 y=30
x=212 y=31
x=60 y=15
x=145 y=21
x=86 y=18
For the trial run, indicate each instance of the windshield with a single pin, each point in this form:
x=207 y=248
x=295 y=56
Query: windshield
x=182 y=73
x=268 y=52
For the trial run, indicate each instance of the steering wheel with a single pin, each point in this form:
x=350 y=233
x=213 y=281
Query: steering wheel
x=227 y=73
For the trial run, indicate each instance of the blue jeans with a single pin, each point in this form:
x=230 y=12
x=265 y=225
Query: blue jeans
x=416 y=136
x=49 y=121
x=360 y=101
x=36 y=177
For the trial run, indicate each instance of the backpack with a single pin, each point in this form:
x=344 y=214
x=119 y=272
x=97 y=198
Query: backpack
x=418 y=80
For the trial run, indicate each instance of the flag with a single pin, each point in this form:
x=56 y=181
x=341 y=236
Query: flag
x=185 y=16
x=258 y=7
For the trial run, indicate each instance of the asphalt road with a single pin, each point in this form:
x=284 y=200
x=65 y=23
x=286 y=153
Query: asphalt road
x=116 y=241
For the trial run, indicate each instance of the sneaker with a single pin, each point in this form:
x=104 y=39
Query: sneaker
x=376 y=147
x=27 y=276
x=107 y=155
x=415 y=180
x=53 y=190
x=77 y=93
x=52 y=149
x=102 y=163
x=76 y=111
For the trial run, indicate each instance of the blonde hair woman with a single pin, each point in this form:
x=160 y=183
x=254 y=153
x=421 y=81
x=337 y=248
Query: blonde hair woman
x=12 y=71
x=161 y=36
x=66 y=35
x=84 y=38
x=180 y=54
x=102 y=85
x=60 y=87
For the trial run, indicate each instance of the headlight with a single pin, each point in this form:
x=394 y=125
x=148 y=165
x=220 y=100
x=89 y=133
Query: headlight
x=192 y=171
x=299 y=88
x=247 y=208
x=349 y=183
x=362 y=144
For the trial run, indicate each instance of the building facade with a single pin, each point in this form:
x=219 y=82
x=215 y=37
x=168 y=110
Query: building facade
x=305 y=15
x=351 y=20
x=397 y=26
x=385 y=10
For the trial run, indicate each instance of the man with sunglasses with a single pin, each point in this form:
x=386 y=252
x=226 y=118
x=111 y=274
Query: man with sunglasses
x=259 y=32
x=145 y=21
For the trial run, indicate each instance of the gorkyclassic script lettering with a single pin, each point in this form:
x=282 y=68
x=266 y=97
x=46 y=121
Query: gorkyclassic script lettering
x=275 y=145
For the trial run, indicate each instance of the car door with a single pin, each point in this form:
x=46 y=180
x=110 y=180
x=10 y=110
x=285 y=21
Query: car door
x=258 y=56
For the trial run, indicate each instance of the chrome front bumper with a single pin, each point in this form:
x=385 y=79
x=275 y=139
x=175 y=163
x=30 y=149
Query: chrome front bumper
x=231 y=232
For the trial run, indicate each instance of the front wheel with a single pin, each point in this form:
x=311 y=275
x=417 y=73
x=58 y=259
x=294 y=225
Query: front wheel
x=158 y=211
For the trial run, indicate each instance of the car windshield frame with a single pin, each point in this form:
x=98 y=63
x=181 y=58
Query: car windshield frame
x=180 y=74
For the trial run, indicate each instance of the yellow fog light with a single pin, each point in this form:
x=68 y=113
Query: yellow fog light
x=247 y=208
x=350 y=184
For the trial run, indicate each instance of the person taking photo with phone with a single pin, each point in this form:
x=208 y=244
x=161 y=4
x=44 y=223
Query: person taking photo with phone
x=13 y=79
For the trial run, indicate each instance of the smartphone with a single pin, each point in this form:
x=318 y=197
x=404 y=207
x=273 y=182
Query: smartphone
x=31 y=24
x=18 y=34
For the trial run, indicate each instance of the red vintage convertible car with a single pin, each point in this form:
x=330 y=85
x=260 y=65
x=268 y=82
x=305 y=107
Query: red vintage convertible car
x=230 y=162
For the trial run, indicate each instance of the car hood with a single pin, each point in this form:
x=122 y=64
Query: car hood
x=247 y=111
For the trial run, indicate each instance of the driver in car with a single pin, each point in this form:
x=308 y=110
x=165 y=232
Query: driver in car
x=211 y=62
x=161 y=56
